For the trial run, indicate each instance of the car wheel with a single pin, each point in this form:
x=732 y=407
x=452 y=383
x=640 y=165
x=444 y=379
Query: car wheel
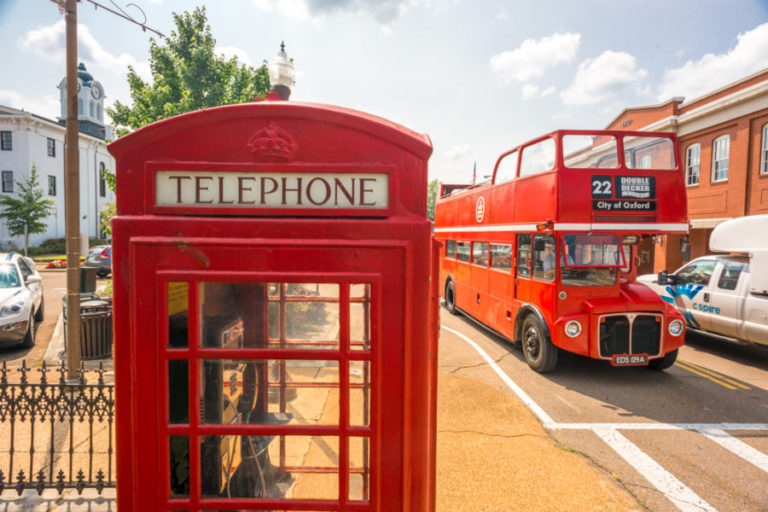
x=40 y=311
x=29 y=338
x=538 y=350
x=663 y=363
x=450 y=297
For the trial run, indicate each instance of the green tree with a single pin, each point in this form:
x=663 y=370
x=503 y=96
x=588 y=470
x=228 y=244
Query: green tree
x=24 y=214
x=187 y=75
x=432 y=189
x=108 y=211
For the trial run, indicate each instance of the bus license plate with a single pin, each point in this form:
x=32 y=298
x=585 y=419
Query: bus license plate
x=630 y=360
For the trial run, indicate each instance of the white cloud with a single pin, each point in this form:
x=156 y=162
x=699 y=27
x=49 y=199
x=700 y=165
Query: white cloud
x=233 y=51
x=603 y=78
x=712 y=71
x=46 y=106
x=532 y=58
x=531 y=91
x=458 y=151
x=49 y=43
x=384 y=12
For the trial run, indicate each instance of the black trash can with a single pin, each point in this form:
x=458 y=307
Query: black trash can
x=95 y=327
x=88 y=279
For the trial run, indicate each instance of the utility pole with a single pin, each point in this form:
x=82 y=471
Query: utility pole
x=72 y=176
x=72 y=196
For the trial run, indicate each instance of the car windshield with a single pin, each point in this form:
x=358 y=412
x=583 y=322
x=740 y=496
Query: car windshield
x=9 y=277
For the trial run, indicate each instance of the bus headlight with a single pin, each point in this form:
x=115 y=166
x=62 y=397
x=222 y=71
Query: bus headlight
x=675 y=327
x=573 y=328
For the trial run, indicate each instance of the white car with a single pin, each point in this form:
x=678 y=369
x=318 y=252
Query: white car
x=21 y=299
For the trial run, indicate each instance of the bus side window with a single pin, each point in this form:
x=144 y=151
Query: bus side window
x=524 y=255
x=463 y=251
x=480 y=253
x=450 y=249
x=544 y=257
x=501 y=257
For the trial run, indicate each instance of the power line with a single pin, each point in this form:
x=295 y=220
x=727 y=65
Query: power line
x=119 y=12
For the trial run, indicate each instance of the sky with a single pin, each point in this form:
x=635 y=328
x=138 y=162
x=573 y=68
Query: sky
x=479 y=77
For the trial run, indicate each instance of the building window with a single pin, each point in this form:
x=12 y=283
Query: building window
x=6 y=141
x=720 y=148
x=51 y=185
x=692 y=164
x=102 y=180
x=764 y=152
x=51 y=147
x=7 y=181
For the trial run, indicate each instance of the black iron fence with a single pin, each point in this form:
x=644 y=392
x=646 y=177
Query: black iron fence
x=55 y=433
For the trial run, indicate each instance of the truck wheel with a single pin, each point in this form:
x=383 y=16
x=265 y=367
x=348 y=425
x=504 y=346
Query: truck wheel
x=40 y=311
x=450 y=297
x=538 y=350
x=663 y=363
x=29 y=338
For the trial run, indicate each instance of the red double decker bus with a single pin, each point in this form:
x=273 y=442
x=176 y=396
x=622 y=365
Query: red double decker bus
x=546 y=252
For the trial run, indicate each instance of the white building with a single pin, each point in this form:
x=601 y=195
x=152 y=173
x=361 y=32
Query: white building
x=27 y=138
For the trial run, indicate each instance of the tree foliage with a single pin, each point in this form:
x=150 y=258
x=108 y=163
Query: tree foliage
x=187 y=75
x=108 y=211
x=432 y=189
x=24 y=214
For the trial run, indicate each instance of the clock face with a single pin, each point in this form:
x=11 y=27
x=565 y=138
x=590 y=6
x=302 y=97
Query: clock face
x=96 y=91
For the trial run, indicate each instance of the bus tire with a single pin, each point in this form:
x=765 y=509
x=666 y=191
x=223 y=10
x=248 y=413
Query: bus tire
x=538 y=350
x=450 y=297
x=663 y=363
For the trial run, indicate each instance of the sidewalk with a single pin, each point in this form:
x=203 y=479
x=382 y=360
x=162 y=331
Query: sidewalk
x=492 y=455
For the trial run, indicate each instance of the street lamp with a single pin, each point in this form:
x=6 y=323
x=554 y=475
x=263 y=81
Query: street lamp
x=282 y=74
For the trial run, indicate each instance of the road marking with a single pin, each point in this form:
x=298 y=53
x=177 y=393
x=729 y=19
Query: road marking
x=675 y=490
x=672 y=488
x=702 y=374
x=517 y=390
x=737 y=446
x=716 y=375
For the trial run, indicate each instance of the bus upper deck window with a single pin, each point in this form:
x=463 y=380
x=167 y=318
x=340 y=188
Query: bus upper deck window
x=507 y=168
x=649 y=153
x=537 y=158
x=590 y=151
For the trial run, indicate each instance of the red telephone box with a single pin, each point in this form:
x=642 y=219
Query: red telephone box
x=275 y=312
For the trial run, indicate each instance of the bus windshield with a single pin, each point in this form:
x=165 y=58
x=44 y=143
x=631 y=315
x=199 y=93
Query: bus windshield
x=588 y=250
x=585 y=258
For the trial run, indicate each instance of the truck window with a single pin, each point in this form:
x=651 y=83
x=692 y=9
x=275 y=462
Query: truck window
x=698 y=272
x=729 y=277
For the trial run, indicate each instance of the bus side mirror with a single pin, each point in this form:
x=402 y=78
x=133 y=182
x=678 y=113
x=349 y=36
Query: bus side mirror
x=665 y=278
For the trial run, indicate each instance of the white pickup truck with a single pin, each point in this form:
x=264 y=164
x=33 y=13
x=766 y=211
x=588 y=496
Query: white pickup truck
x=724 y=295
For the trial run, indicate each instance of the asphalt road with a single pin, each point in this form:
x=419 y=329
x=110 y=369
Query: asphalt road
x=692 y=438
x=54 y=288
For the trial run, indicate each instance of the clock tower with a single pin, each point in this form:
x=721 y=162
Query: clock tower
x=90 y=103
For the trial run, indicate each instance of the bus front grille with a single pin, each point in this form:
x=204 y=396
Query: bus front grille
x=630 y=334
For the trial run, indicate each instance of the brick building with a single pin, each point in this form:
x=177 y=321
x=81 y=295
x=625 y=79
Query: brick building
x=723 y=139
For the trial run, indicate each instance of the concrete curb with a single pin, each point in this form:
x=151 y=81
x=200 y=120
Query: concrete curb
x=55 y=354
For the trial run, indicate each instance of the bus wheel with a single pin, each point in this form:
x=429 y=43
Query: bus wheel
x=665 y=362
x=450 y=297
x=538 y=350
